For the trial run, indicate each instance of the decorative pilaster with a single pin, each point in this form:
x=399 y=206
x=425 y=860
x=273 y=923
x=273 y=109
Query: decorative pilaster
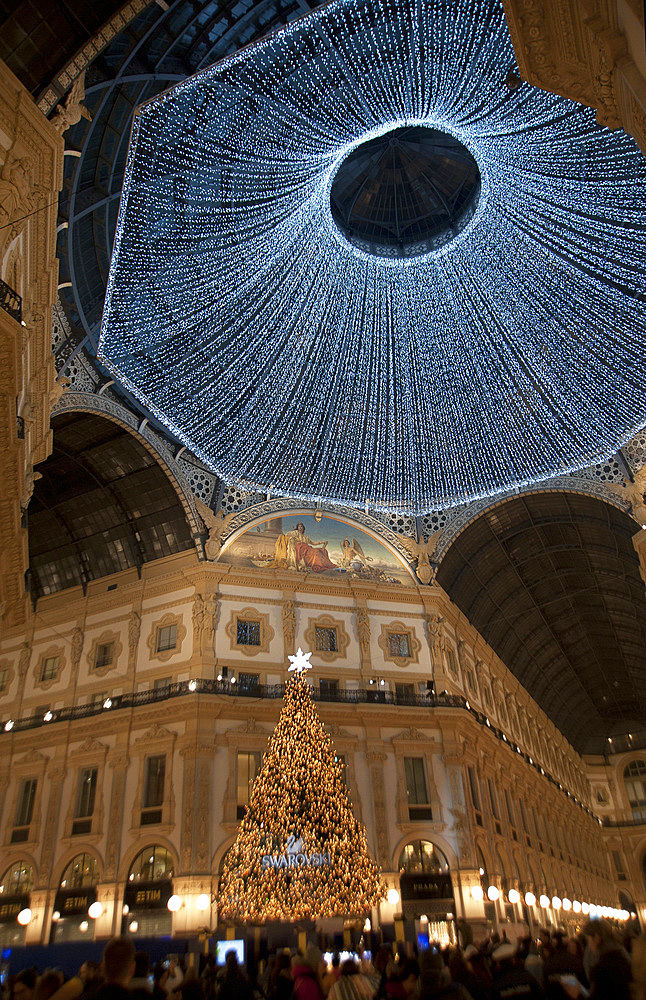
x=119 y=763
x=376 y=760
x=56 y=774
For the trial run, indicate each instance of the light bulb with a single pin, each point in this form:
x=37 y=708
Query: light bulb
x=530 y=898
x=24 y=916
x=477 y=893
x=203 y=901
x=513 y=896
x=493 y=893
x=174 y=903
x=95 y=910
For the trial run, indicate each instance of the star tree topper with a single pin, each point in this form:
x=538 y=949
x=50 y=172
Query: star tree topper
x=300 y=662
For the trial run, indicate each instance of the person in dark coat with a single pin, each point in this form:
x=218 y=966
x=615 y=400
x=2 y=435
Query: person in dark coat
x=118 y=968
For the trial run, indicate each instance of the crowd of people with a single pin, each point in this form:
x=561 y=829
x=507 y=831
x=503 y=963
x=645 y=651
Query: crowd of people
x=594 y=963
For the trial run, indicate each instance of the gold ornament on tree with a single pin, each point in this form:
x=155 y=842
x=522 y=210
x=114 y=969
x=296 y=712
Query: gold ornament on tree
x=300 y=852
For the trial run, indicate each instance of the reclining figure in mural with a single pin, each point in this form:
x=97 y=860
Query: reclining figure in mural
x=297 y=551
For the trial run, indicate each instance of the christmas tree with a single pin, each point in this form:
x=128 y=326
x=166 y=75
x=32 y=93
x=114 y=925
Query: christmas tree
x=300 y=852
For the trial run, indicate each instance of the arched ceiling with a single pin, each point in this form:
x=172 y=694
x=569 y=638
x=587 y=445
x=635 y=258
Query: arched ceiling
x=552 y=582
x=103 y=505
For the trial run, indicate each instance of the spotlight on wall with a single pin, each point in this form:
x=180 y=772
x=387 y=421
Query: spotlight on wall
x=477 y=893
x=192 y=685
x=203 y=901
x=513 y=896
x=133 y=926
x=530 y=899
x=544 y=901
x=83 y=926
x=95 y=910
x=585 y=909
x=567 y=903
x=125 y=909
x=174 y=903
x=24 y=917
x=48 y=716
x=393 y=897
x=107 y=703
x=56 y=916
x=556 y=903
x=8 y=726
x=576 y=906
x=493 y=893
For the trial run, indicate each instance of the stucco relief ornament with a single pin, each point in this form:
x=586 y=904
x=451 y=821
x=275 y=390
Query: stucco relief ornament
x=633 y=492
x=423 y=553
x=216 y=525
x=300 y=661
x=71 y=112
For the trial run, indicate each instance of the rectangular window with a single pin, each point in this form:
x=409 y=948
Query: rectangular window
x=161 y=683
x=166 y=638
x=416 y=790
x=523 y=816
x=511 y=814
x=24 y=810
x=471 y=680
x=4 y=678
x=326 y=639
x=493 y=798
x=154 y=779
x=98 y=698
x=84 y=806
x=104 y=653
x=329 y=688
x=49 y=669
x=398 y=644
x=248 y=767
x=247 y=682
x=452 y=662
x=475 y=794
x=487 y=696
x=619 y=866
x=247 y=632
x=405 y=694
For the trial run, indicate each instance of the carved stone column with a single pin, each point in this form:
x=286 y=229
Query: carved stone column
x=363 y=634
x=119 y=762
x=376 y=759
x=195 y=843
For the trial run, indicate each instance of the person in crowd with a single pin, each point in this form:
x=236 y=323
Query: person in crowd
x=610 y=978
x=281 y=983
x=462 y=972
x=191 y=988
x=330 y=977
x=405 y=983
x=140 y=984
x=175 y=975
x=512 y=980
x=118 y=969
x=233 y=984
x=308 y=971
x=48 y=984
x=160 y=977
x=24 y=985
x=600 y=940
x=352 y=984
x=639 y=967
x=561 y=962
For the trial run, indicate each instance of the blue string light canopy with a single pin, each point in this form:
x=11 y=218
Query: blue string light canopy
x=450 y=312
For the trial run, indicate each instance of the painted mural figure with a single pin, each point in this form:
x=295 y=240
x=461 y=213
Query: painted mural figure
x=303 y=553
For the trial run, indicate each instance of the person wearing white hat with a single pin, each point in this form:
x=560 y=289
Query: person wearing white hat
x=509 y=980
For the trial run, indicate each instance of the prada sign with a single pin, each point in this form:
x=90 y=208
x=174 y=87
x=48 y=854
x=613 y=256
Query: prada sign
x=10 y=907
x=148 y=895
x=72 y=902
x=419 y=888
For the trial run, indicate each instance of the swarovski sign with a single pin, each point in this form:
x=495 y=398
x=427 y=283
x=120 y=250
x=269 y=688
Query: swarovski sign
x=295 y=857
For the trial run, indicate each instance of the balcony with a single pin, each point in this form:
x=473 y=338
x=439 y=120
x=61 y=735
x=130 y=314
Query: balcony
x=10 y=301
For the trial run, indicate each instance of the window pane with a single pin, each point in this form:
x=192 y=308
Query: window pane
x=166 y=637
x=247 y=681
x=398 y=644
x=328 y=687
x=103 y=654
x=326 y=639
x=248 y=765
x=405 y=693
x=415 y=781
x=154 y=781
x=85 y=793
x=49 y=668
x=4 y=677
x=248 y=633
x=26 y=797
x=473 y=785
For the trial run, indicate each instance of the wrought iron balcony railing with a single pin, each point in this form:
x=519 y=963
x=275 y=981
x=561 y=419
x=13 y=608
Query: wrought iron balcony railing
x=10 y=301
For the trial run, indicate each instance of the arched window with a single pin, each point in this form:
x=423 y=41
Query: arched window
x=82 y=872
x=17 y=880
x=152 y=864
x=482 y=864
x=422 y=856
x=635 y=781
